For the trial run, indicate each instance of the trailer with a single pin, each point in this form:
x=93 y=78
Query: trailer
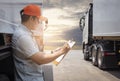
x=100 y=25
x=9 y=20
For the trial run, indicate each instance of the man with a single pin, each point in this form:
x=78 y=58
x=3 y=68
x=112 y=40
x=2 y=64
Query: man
x=27 y=56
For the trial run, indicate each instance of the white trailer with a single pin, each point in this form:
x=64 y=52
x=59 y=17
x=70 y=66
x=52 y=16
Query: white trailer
x=9 y=20
x=101 y=33
x=10 y=13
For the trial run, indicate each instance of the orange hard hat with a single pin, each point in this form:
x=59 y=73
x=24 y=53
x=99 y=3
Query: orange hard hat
x=33 y=10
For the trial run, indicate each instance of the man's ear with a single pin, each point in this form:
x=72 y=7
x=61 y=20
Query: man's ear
x=31 y=19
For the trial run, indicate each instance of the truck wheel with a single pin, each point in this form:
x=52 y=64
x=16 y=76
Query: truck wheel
x=86 y=54
x=86 y=57
x=100 y=59
x=94 y=56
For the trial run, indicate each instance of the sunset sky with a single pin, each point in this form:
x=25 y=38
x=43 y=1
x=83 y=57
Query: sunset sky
x=63 y=17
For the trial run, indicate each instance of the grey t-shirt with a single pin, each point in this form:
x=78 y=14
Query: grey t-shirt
x=24 y=46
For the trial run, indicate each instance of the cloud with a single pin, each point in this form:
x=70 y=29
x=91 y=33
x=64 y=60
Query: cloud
x=64 y=16
x=66 y=3
x=73 y=8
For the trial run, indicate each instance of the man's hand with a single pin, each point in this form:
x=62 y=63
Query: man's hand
x=57 y=49
x=44 y=19
x=65 y=48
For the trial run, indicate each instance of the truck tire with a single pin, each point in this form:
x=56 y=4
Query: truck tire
x=86 y=54
x=86 y=57
x=83 y=48
x=94 y=56
x=100 y=59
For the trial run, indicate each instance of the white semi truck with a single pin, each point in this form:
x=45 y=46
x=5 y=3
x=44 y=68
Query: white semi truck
x=9 y=19
x=101 y=33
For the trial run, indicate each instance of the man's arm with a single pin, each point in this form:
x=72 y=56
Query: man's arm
x=27 y=45
x=42 y=58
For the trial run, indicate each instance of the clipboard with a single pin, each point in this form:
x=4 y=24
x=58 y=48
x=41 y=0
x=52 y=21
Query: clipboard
x=60 y=58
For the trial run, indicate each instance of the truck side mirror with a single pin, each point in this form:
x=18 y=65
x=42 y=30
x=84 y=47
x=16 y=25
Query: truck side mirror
x=82 y=23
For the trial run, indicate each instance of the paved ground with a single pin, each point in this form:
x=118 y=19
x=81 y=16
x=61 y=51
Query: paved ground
x=74 y=68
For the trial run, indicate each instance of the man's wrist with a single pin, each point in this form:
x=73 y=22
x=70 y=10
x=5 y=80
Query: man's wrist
x=58 y=52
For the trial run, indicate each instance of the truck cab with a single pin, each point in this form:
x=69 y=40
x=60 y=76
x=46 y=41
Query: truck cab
x=6 y=59
x=86 y=24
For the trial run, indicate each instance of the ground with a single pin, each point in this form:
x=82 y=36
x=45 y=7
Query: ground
x=74 y=68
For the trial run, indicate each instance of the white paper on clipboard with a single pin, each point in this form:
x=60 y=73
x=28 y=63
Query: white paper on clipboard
x=59 y=59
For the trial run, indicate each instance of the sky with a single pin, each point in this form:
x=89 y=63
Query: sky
x=63 y=21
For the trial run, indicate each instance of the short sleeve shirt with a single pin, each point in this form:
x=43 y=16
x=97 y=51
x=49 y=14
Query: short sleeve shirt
x=24 y=46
